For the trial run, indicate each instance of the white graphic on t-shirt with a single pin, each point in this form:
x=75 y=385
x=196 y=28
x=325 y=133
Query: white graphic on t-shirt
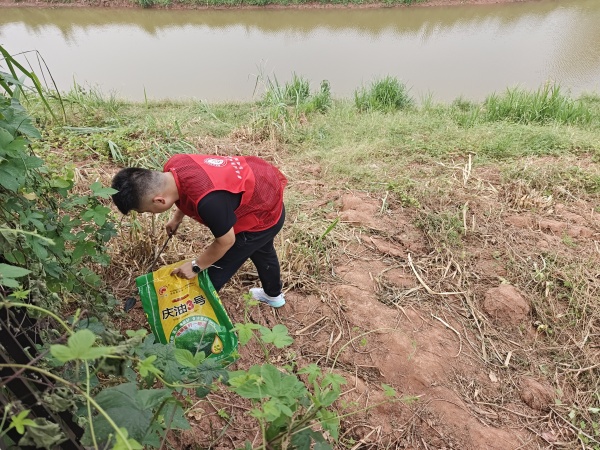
x=215 y=162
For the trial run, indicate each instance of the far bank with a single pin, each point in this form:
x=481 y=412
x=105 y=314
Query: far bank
x=226 y=4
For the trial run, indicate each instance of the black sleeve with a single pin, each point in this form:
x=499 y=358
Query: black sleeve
x=217 y=211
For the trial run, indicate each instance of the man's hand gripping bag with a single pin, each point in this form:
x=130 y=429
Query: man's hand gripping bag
x=188 y=313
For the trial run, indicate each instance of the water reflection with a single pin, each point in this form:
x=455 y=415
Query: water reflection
x=466 y=51
x=424 y=21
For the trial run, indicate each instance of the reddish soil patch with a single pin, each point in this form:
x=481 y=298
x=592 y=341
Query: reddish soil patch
x=443 y=328
x=506 y=305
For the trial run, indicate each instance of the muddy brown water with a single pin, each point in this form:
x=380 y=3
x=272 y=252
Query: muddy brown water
x=225 y=55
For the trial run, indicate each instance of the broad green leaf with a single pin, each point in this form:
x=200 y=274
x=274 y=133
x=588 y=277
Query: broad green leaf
x=245 y=332
x=101 y=214
x=129 y=407
x=8 y=178
x=11 y=283
x=5 y=138
x=165 y=361
x=80 y=346
x=102 y=192
x=185 y=357
x=121 y=444
x=302 y=440
x=16 y=119
x=39 y=250
x=278 y=336
x=20 y=421
x=60 y=183
x=9 y=271
x=136 y=333
x=246 y=385
x=208 y=370
x=92 y=324
x=330 y=421
x=312 y=370
x=202 y=391
x=177 y=417
x=146 y=367
x=334 y=380
x=274 y=408
x=83 y=248
x=267 y=381
x=328 y=397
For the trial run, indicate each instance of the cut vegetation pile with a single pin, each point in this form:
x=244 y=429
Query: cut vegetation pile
x=450 y=252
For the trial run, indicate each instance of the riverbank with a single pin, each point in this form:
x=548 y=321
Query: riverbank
x=448 y=251
x=224 y=4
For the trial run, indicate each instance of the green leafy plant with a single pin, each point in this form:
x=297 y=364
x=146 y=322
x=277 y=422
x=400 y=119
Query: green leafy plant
x=45 y=229
x=287 y=412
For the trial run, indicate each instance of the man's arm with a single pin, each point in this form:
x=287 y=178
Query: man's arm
x=209 y=256
x=217 y=211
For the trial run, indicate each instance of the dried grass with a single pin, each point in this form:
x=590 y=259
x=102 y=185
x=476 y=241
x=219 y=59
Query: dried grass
x=561 y=282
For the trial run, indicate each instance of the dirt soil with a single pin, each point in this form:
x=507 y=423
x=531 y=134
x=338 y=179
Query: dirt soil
x=456 y=331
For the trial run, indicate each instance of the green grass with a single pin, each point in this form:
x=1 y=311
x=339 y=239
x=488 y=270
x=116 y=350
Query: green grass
x=238 y=3
x=387 y=94
x=365 y=145
x=547 y=104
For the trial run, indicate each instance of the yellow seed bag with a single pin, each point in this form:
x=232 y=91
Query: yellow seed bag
x=187 y=313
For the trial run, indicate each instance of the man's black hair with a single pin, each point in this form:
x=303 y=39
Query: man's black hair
x=133 y=184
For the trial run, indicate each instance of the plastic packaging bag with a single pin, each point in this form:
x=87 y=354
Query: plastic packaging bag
x=188 y=313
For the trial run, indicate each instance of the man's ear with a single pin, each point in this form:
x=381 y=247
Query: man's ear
x=159 y=199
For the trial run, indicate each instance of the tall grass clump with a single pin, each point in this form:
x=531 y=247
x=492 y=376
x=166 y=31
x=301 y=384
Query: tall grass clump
x=91 y=104
x=547 y=104
x=296 y=93
x=387 y=94
x=284 y=105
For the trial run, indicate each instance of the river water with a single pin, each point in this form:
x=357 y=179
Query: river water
x=223 y=55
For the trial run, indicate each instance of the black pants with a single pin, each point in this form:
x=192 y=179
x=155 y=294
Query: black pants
x=259 y=248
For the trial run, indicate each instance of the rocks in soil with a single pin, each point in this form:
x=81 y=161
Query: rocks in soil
x=506 y=304
x=536 y=395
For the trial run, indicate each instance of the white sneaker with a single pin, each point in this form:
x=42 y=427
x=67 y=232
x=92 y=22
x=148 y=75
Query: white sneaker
x=275 y=302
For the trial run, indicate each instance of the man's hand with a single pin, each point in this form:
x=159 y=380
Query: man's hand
x=184 y=271
x=212 y=254
x=174 y=222
x=171 y=226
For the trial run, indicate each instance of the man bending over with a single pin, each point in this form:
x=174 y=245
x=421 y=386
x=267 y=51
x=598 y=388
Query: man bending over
x=239 y=198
